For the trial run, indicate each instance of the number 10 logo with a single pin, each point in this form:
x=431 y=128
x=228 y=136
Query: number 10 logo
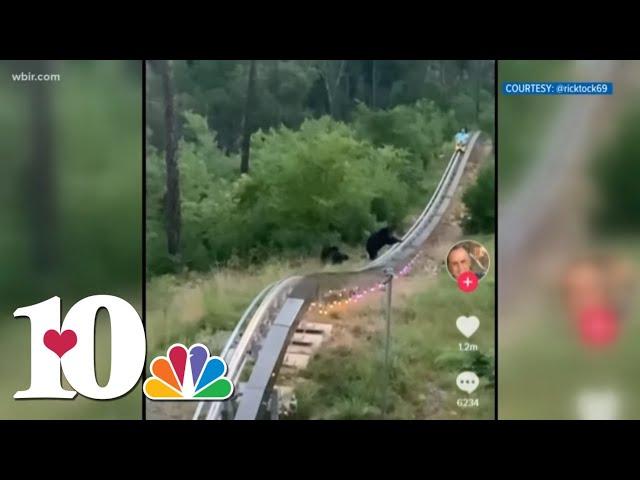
x=72 y=349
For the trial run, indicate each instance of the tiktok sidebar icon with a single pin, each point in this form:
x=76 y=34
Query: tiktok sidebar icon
x=468 y=282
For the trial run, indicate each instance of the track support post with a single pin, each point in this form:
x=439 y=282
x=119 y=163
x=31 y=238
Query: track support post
x=274 y=404
x=388 y=282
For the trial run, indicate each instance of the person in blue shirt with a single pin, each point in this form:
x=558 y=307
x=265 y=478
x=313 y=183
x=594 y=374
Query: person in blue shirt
x=462 y=138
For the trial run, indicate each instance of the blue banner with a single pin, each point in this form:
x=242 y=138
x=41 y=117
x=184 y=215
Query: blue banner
x=557 y=88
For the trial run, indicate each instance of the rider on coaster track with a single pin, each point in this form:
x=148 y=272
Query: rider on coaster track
x=462 y=138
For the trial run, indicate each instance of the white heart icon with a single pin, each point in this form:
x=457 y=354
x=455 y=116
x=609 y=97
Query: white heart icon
x=467 y=325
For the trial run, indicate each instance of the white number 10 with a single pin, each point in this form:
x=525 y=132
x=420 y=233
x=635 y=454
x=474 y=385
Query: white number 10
x=70 y=347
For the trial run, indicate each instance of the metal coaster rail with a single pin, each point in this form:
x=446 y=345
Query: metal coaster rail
x=255 y=349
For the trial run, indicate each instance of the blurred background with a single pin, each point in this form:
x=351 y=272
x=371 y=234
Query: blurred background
x=71 y=209
x=569 y=221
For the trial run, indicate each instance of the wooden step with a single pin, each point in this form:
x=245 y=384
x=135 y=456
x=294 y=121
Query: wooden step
x=306 y=350
x=315 y=327
x=307 y=339
x=296 y=360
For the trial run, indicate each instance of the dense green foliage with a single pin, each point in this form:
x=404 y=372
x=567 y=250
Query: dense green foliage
x=290 y=91
x=327 y=163
x=615 y=174
x=421 y=129
x=479 y=199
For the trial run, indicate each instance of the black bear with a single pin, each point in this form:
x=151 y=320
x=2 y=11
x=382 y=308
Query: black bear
x=333 y=254
x=379 y=239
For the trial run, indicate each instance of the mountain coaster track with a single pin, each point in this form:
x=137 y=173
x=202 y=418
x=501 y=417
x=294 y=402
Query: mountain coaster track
x=257 y=345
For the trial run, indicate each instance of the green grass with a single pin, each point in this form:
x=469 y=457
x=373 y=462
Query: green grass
x=15 y=374
x=341 y=382
x=349 y=383
x=344 y=383
x=542 y=374
x=543 y=371
x=204 y=308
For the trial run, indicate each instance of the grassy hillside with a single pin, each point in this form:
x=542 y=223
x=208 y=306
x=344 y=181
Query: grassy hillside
x=347 y=381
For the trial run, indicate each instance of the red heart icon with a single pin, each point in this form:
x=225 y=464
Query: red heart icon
x=60 y=343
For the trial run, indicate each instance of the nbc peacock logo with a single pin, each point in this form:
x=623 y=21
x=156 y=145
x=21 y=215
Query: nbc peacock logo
x=188 y=374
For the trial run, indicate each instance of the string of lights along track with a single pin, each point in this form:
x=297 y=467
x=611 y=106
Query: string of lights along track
x=332 y=300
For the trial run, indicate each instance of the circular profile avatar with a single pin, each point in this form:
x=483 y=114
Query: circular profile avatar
x=468 y=256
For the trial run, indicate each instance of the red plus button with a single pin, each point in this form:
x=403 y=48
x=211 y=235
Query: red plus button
x=468 y=282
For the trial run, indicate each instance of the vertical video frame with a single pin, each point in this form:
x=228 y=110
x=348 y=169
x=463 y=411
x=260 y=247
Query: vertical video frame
x=320 y=238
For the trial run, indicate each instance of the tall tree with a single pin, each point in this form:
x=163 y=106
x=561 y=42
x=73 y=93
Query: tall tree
x=246 y=133
x=41 y=178
x=373 y=84
x=332 y=72
x=276 y=90
x=477 y=71
x=172 y=196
